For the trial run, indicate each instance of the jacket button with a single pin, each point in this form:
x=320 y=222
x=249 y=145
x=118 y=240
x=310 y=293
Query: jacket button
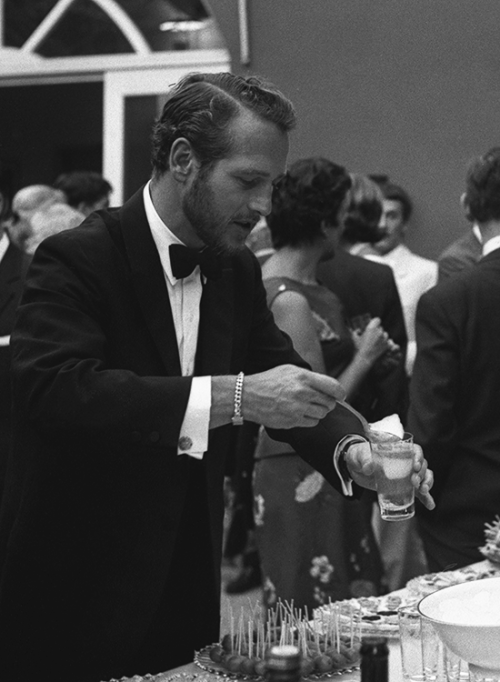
x=185 y=443
x=154 y=436
x=136 y=436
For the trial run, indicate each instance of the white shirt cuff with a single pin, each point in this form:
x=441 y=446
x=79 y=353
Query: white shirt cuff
x=345 y=478
x=193 y=438
x=4 y=340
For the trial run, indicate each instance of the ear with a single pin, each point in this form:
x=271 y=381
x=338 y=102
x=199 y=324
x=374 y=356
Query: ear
x=465 y=205
x=182 y=161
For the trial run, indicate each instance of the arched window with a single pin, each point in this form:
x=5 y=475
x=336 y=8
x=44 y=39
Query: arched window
x=79 y=28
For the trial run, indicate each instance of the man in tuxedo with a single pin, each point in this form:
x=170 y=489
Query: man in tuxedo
x=13 y=266
x=133 y=359
x=455 y=389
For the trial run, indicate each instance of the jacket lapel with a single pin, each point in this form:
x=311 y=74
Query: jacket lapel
x=149 y=281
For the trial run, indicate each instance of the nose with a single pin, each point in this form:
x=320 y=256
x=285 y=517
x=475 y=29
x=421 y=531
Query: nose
x=382 y=221
x=261 y=201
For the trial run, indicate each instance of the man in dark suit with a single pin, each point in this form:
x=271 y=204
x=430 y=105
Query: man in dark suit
x=13 y=266
x=133 y=357
x=368 y=288
x=455 y=389
x=460 y=254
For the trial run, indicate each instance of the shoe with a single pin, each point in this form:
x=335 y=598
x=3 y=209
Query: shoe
x=249 y=578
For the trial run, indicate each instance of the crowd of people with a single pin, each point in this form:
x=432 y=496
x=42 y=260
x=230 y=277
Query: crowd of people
x=152 y=356
x=34 y=213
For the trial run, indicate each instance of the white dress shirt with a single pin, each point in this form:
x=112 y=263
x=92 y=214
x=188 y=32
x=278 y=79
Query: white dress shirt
x=491 y=245
x=414 y=275
x=185 y=297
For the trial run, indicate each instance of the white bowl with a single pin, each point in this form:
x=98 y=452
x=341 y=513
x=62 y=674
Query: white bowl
x=467 y=619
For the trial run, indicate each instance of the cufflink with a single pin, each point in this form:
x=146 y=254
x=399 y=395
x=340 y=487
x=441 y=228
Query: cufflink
x=185 y=443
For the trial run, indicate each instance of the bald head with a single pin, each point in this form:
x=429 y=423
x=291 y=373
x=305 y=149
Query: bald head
x=25 y=204
x=32 y=198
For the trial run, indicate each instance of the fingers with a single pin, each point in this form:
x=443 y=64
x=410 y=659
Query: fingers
x=422 y=478
x=326 y=386
x=373 y=323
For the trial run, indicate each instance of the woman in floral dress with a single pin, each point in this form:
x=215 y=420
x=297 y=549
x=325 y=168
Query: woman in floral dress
x=314 y=544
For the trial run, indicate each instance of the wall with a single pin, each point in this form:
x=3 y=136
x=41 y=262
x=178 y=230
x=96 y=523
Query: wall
x=405 y=87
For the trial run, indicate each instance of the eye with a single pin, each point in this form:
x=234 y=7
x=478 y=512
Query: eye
x=249 y=183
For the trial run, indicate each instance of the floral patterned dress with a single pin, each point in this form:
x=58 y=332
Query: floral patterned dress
x=314 y=544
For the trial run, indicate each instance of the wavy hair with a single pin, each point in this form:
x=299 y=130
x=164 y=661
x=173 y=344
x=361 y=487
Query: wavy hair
x=308 y=195
x=364 y=211
x=201 y=106
x=482 y=194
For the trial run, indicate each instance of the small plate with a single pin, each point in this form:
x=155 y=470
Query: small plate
x=203 y=660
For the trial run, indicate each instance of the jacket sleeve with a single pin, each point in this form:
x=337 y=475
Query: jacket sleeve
x=435 y=385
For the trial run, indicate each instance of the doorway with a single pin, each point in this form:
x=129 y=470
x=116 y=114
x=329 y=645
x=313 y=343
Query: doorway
x=49 y=129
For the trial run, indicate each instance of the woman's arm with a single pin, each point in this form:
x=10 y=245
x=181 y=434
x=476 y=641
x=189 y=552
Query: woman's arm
x=293 y=315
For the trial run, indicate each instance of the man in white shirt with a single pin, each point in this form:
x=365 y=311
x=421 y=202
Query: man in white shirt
x=142 y=338
x=414 y=275
x=455 y=389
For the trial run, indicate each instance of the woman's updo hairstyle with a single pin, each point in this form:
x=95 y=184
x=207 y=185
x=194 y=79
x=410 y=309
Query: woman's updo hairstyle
x=364 y=211
x=309 y=195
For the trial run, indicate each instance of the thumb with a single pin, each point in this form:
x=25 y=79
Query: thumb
x=359 y=458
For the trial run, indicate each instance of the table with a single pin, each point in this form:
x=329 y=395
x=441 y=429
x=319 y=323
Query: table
x=395 y=669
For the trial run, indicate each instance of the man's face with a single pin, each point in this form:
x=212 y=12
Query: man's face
x=391 y=225
x=225 y=201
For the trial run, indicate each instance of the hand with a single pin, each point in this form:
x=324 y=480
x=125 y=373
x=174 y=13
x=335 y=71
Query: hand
x=289 y=396
x=360 y=464
x=373 y=341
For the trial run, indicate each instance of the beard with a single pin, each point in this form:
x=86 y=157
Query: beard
x=199 y=206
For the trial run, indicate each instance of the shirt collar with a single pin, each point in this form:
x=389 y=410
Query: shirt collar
x=477 y=233
x=4 y=244
x=491 y=245
x=162 y=236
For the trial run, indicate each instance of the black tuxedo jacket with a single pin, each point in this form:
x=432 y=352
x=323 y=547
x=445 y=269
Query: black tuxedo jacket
x=13 y=268
x=96 y=490
x=454 y=409
x=364 y=286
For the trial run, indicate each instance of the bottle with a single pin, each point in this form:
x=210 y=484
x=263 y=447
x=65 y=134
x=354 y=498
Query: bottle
x=374 y=659
x=283 y=664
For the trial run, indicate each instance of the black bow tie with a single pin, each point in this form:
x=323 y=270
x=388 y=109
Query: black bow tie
x=184 y=260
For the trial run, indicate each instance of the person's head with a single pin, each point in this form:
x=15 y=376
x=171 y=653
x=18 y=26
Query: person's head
x=51 y=219
x=218 y=145
x=363 y=213
x=25 y=203
x=397 y=209
x=308 y=201
x=201 y=107
x=87 y=191
x=481 y=200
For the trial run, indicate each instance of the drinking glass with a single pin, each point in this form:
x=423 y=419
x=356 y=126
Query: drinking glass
x=393 y=458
